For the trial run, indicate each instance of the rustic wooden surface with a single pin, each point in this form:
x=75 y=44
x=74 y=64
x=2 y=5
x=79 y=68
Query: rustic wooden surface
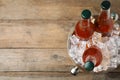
x=33 y=36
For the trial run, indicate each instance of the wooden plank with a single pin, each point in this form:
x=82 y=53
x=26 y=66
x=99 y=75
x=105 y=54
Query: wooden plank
x=35 y=60
x=49 y=9
x=41 y=9
x=34 y=33
x=43 y=76
x=43 y=12
x=48 y=2
x=41 y=73
x=57 y=76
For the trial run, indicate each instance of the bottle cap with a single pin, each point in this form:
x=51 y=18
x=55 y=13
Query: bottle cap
x=89 y=66
x=86 y=14
x=105 y=5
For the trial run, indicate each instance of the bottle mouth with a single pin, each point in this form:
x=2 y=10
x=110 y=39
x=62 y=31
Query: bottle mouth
x=105 y=5
x=89 y=66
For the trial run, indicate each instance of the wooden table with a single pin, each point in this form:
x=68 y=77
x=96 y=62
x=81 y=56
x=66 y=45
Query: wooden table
x=33 y=37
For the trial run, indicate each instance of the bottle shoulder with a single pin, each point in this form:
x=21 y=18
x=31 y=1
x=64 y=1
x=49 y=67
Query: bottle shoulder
x=82 y=31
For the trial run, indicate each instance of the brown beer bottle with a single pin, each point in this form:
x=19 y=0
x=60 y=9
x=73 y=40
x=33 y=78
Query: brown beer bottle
x=84 y=28
x=104 y=23
x=92 y=57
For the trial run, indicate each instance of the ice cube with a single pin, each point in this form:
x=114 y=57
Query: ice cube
x=113 y=65
x=95 y=69
x=116 y=26
x=97 y=40
x=74 y=40
x=111 y=44
x=117 y=40
x=72 y=51
x=81 y=48
x=118 y=57
x=100 y=68
x=77 y=48
x=96 y=37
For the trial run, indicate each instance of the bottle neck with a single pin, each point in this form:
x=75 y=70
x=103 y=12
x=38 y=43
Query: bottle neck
x=91 y=58
x=84 y=23
x=105 y=14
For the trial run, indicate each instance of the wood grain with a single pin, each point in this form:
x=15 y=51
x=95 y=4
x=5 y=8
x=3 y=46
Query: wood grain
x=39 y=9
x=34 y=34
x=56 y=76
x=35 y=60
x=43 y=76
